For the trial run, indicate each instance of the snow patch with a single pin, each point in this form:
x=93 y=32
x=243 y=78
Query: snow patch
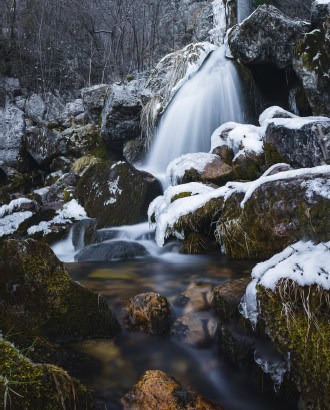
x=113 y=191
x=13 y=206
x=10 y=223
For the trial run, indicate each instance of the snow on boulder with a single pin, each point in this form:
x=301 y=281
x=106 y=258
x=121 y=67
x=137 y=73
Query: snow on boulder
x=198 y=167
x=15 y=213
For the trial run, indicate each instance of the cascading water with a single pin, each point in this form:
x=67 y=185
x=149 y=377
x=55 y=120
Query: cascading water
x=210 y=98
x=244 y=9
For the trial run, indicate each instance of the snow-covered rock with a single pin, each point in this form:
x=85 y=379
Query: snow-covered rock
x=198 y=167
x=267 y=36
x=107 y=189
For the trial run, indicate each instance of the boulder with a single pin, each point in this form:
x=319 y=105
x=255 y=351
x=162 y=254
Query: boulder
x=320 y=11
x=61 y=190
x=27 y=385
x=277 y=211
x=149 y=313
x=74 y=108
x=35 y=108
x=134 y=150
x=157 y=390
x=121 y=115
x=198 y=167
x=197 y=297
x=63 y=164
x=267 y=36
x=195 y=328
x=107 y=187
x=93 y=100
x=109 y=251
x=79 y=140
x=38 y=298
x=312 y=65
x=301 y=142
x=12 y=129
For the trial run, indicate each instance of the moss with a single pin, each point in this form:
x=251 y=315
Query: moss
x=248 y=167
x=272 y=156
x=180 y=195
x=67 y=195
x=25 y=385
x=303 y=330
x=45 y=301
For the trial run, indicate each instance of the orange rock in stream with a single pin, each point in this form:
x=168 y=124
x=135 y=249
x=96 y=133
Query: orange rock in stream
x=157 y=390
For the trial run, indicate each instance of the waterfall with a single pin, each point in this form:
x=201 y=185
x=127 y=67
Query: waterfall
x=210 y=98
x=244 y=9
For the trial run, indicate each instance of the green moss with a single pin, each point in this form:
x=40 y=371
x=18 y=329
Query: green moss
x=25 y=385
x=272 y=156
x=180 y=195
x=303 y=330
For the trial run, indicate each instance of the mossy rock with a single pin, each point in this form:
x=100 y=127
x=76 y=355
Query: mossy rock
x=25 y=385
x=38 y=298
x=107 y=187
x=303 y=329
x=276 y=215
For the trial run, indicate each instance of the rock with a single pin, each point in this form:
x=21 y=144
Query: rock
x=195 y=328
x=227 y=298
x=55 y=107
x=320 y=11
x=12 y=129
x=106 y=188
x=121 y=115
x=74 y=108
x=157 y=390
x=276 y=214
x=81 y=140
x=61 y=163
x=149 y=313
x=38 y=298
x=312 y=65
x=109 y=251
x=198 y=167
x=267 y=36
x=301 y=142
x=225 y=153
x=93 y=100
x=37 y=385
x=134 y=150
x=35 y=108
x=61 y=189
x=197 y=297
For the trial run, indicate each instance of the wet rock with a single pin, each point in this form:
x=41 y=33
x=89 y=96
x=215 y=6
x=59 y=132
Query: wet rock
x=227 y=298
x=157 y=390
x=121 y=115
x=106 y=188
x=149 y=313
x=38 y=298
x=300 y=145
x=197 y=297
x=312 y=64
x=108 y=251
x=134 y=150
x=195 y=328
x=37 y=385
x=277 y=213
x=267 y=36
x=93 y=100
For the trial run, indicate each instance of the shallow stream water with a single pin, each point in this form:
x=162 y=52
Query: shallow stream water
x=112 y=367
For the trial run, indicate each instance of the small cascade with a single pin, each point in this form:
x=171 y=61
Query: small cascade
x=210 y=98
x=244 y=9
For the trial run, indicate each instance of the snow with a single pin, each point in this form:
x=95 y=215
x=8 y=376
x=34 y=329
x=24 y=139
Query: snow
x=241 y=138
x=177 y=168
x=114 y=190
x=217 y=33
x=70 y=211
x=305 y=263
x=167 y=214
x=13 y=206
x=322 y=1
x=317 y=186
x=272 y=112
x=10 y=223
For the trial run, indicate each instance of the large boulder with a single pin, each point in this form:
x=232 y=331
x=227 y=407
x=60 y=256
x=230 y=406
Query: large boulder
x=38 y=298
x=27 y=385
x=302 y=142
x=121 y=115
x=312 y=65
x=157 y=390
x=93 y=100
x=267 y=36
x=275 y=211
x=107 y=187
x=149 y=313
x=35 y=108
x=320 y=11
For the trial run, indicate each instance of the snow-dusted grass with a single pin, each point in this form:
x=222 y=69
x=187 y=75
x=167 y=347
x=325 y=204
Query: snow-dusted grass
x=304 y=263
x=71 y=211
x=178 y=167
x=167 y=214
